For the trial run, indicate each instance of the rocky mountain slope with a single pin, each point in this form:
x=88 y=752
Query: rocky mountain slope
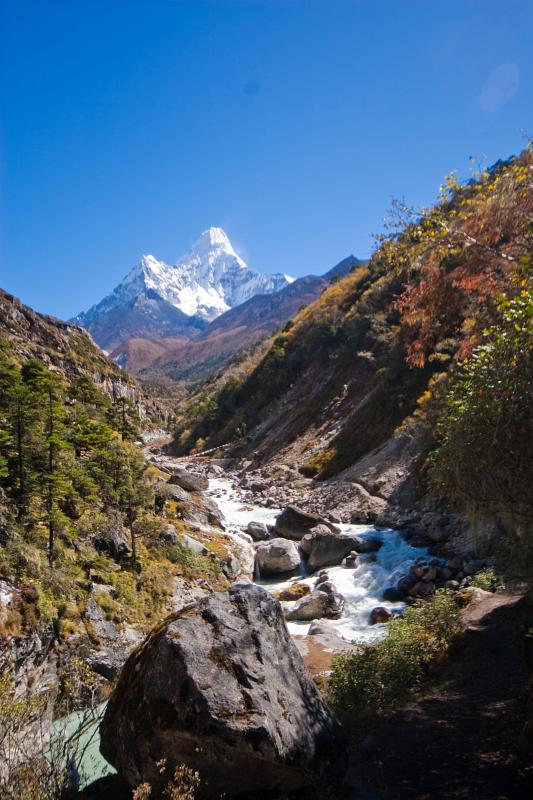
x=226 y=336
x=351 y=388
x=156 y=299
x=69 y=351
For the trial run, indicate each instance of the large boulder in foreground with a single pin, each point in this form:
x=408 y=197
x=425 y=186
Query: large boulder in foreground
x=221 y=687
x=293 y=523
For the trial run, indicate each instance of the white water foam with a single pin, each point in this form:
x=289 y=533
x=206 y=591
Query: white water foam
x=362 y=587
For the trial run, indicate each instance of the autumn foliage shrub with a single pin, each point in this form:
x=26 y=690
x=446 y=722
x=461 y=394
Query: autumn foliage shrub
x=459 y=256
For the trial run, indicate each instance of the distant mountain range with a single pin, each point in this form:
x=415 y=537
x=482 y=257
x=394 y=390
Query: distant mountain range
x=229 y=334
x=156 y=300
x=181 y=322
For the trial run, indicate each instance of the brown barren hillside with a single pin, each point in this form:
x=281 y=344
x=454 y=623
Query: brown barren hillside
x=137 y=353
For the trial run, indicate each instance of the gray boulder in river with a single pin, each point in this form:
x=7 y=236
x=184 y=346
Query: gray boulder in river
x=293 y=523
x=190 y=481
x=324 y=548
x=277 y=556
x=318 y=604
x=257 y=530
x=221 y=687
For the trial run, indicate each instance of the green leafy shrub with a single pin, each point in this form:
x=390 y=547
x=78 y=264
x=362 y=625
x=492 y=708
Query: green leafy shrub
x=486 y=580
x=378 y=677
x=191 y=563
x=484 y=459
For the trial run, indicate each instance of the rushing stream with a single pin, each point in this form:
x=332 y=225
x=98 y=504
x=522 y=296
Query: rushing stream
x=362 y=587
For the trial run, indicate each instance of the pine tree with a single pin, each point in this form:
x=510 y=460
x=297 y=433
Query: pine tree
x=123 y=417
x=20 y=439
x=48 y=389
x=132 y=487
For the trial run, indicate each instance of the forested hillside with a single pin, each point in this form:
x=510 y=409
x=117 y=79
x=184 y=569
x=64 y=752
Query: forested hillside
x=80 y=507
x=69 y=351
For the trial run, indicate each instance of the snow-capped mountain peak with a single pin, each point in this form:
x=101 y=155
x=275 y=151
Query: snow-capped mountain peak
x=212 y=239
x=204 y=283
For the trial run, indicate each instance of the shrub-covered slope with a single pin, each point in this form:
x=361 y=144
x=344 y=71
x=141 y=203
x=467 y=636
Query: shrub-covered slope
x=382 y=347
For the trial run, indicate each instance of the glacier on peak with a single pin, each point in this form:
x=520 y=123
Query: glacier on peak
x=205 y=282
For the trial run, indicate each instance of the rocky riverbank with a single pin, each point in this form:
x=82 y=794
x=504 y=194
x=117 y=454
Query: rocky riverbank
x=292 y=525
x=338 y=583
x=383 y=488
x=237 y=642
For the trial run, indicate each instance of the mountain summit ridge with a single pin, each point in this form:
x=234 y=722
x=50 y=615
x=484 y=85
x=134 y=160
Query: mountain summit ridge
x=208 y=280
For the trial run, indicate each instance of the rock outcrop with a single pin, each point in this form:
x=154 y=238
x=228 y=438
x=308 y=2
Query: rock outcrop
x=112 y=538
x=167 y=491
x=192 y=504
x=221 y=687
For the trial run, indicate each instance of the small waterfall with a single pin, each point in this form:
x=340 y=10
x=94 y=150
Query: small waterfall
x=303 y=565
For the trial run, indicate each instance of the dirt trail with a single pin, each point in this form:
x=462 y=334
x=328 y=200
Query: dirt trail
x=465 y=739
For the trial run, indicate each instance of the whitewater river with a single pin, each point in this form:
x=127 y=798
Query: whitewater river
x=362 y=587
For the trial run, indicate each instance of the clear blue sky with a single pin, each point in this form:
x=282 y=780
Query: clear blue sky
x=130 y=126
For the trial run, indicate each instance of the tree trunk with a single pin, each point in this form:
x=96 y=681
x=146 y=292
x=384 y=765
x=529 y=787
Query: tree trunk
x=20 y=461
x=51 y=529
